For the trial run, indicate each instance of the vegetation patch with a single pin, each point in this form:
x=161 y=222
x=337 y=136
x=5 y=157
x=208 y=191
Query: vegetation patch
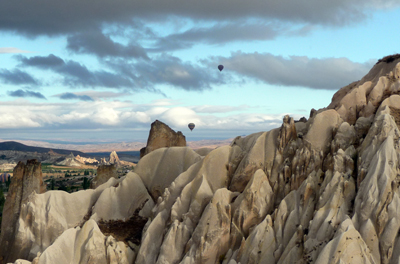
x=389 y=59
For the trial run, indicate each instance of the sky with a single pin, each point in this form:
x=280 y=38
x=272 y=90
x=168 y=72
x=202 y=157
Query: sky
x=103 y=71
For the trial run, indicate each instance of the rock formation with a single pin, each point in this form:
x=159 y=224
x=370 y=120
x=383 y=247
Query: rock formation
x=84 y=160
x=161 y=136
x=114 y=158
x=27 y=180
x=104 y=173
x=325 y=190
x=70 y=160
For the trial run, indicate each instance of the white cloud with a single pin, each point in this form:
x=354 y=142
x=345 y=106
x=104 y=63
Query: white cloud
x=73 y=116
x=106 y=116
x=325 y=73
x=155 y=111
x=119 y=117
x=218 y=108
x=12 y=50
x=180 y=116
x=162 y=102
x=135 y=117
x=17 y=121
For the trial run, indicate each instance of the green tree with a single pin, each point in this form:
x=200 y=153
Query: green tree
x=86 y=183
x=63 y=187
x=52 y=184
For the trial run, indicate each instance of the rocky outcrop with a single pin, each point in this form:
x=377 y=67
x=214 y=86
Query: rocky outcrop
x=324 y=190
x=161 y=168
x=114 y=158
x=84 y=160
x=104 y=173
x=70 y=160
x=27 y=179
x=161 y=136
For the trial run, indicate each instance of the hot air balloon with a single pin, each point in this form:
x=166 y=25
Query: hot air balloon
x=191 y=126
x=220 y=67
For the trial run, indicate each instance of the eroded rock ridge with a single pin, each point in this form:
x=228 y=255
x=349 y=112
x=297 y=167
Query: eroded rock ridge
x=324 y=190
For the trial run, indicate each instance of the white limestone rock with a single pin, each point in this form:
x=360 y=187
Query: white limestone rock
x=121 y=201
x=321 y=129
x=347 y=247
x=86 y=245
x=253 y=204
x=184 y=201
x=159 y=168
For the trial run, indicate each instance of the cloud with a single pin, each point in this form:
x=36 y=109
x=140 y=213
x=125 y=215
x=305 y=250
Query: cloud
x=326 y=73
x=170 y=70
x=17 y=77
x=143 y=75
x=95 y=95
x=12 y=50
x=53 y=18
x=68 y=96
x=122 y=117
x=97 y=43
x=76 y=74
x=232 y=31
x=218 y=108
x=42 y=62
x=25 y=93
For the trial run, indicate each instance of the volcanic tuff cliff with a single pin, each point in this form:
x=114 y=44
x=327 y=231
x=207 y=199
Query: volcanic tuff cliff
x=319 y=191
x=27 y=179
x=161 y=136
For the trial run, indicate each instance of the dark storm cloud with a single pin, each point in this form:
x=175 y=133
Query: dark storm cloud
x=142 y=75
x=67 y=96
x=76 y=74
x=169 y=70
x=218 y=34
x=49 y=17
x=17 y=77
x=25 y=93
x=41 y=62
x=328 y=73
x=95 y=42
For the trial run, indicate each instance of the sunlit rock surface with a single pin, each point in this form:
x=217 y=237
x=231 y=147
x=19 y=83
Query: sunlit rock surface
x=161 y=136
x=323 y=190
x=104 y=173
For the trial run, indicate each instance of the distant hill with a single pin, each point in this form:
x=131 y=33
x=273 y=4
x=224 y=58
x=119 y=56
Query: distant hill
x=12 y=145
